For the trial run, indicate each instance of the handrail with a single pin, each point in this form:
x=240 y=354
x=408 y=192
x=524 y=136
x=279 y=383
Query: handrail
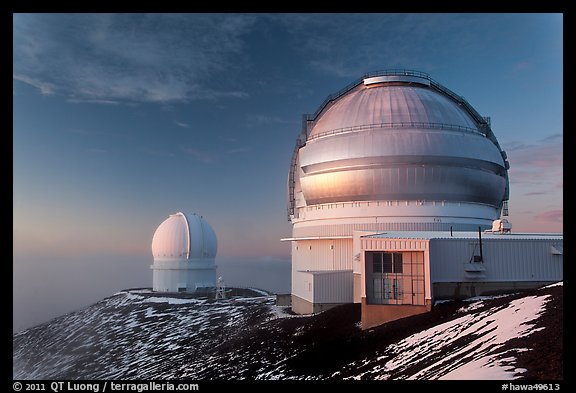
x=404 y=72
x=300 y=141
x=412 y=124
x=346 y=89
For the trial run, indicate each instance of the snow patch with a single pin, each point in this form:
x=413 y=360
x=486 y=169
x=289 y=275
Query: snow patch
x=260 y=291
x=173 y=300
x=558 y=284
x=478 y=358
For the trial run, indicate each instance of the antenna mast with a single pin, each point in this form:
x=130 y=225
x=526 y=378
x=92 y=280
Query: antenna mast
x=220 y=289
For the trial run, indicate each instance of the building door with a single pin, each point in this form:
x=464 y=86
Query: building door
x=394 y=277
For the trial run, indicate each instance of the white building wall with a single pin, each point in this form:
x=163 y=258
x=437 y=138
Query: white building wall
x=504 y=259
x=333 y=287
x=333 y=220
x=325 y=255
x=171 y=275
x=341 y=219
x=330 y=254
x=302 y=285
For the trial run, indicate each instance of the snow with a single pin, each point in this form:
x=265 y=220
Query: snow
x=494 y=329
x=137 y=335
x=261 y=292
x=281 y=312
x=477 y=298
x=478 y=358
x=478 y=369
x=173 y=300
x=558 y=284
x=437 y=302
x=471 y=307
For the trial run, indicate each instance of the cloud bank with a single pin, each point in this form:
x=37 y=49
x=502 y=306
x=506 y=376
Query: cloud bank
x=128 y=57
x=537 y=164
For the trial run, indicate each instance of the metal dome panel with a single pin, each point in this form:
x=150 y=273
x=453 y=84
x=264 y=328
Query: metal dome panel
x=184 y=236
x=391 y=104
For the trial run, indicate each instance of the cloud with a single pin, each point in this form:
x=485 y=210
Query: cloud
x=157 y=152
x=83 y=131
x=104 y=58
x=522 y=66
x=547 y=153
x=336 y=44
x=212 y=156
x=271 y=259
x=551 y=216
x=553 y=138
x=95 y=101
x=204 y=156
x=260 y=120
x=227 y=139
x=95 y=150
x=181 y=124
x=537 y=164
x=238 y=150
x=44 y=87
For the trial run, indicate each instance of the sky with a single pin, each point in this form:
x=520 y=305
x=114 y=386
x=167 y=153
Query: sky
x=122 y=119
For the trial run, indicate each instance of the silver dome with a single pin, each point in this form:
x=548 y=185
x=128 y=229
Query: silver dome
x=397 y=136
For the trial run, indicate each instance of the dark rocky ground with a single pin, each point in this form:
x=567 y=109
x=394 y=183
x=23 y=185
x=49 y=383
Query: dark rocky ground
x=141 y=335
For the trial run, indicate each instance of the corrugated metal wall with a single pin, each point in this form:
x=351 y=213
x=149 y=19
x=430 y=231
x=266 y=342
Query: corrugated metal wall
x=333 y=287
x=504 y=260
x=171 y=279
x=315 y=255
x=347 y=229
x=393 y=244
x=324 y=256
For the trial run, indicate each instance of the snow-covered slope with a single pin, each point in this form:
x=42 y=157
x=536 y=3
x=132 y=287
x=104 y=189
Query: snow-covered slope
x=476 y=340
x=137 y=334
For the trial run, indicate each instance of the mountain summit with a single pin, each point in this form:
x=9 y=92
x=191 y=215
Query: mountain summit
x=138 y=334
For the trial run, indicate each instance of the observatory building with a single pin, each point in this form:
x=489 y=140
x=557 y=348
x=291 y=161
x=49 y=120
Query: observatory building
x=184 y=247
x=404 y=272
x=393 y=151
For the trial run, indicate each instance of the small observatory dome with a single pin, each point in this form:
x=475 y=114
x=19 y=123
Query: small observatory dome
x=184 y=247
x=184 y=236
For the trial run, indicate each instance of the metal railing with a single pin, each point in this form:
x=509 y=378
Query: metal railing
x=410 y=124
x=401 y=72
x=357 y=82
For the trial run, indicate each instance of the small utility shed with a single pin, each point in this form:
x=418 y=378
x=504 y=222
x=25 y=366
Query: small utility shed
x=404 y=272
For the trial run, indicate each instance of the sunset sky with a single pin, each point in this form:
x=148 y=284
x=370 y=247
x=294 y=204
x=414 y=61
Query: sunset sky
x=121 y=120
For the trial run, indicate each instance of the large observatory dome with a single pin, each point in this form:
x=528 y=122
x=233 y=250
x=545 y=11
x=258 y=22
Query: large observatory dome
x=184 y=236
x=397 y=136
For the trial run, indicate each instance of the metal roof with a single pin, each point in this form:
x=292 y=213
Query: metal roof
x=184 y=236
x=315 y=272
x=396 y=106
x=429 y=235
x=335 y=237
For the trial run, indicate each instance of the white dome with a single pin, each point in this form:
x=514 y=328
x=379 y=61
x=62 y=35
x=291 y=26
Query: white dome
x=184 y=236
